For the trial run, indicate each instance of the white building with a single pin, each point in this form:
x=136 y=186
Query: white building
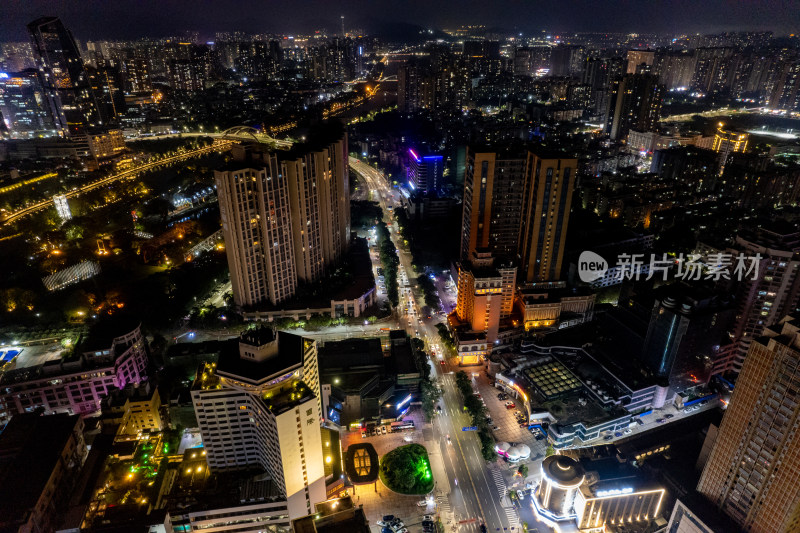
x=259 y=407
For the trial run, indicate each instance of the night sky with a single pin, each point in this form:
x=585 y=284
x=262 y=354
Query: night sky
x=130 y=19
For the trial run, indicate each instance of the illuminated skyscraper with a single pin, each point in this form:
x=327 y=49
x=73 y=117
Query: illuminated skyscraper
x=751 y=474
x=516 y=206
x=23 y=105
x=64 y=79
x=285 y=215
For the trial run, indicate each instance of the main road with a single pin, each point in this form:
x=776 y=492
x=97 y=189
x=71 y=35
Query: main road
x=474 y=495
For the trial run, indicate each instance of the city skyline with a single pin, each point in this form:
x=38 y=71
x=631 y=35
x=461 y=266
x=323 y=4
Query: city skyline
x=124 y=19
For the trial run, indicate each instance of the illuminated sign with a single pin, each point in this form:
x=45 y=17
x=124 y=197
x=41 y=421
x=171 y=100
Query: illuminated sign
x=614 y=492
x=414 y=154
x=405 y=401
x=470 y=428
x=3 y=76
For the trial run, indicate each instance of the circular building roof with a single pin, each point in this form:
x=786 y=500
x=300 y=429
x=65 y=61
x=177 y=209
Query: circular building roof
x=502 y=447
x=563 y=471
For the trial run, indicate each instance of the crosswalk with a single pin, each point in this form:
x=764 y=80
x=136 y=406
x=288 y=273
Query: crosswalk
x=499 y=481
x=443 y=503
x=513 y=517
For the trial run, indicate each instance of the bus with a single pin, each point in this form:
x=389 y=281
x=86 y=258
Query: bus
x=402 y=424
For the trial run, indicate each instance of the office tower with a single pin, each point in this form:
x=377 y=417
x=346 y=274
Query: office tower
x=516 y=206
x=751 y=474
x=687 y=326
x=285 y=215
x=485 y=294
x=636 y=58
x=548 y=199
x=424 y=172
x=635 y=105
x=23 y=105
x=775 y=290
x=259 y=408
x=64 y=78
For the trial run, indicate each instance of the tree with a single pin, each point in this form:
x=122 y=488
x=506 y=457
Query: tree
x=523 y=470
x=476 y=410
x=549 y=451
x=430 y=395
x=487 y=445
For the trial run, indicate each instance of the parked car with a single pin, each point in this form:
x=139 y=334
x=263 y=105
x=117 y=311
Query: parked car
x=363 y=434
x=427 y=518
x=669 y=416
x=383 y=430
x=539 y=437
x=608 y=437
x=660 y=420
x=640 y=421
x=628 y=431
x=422 y=503
x=388 y=518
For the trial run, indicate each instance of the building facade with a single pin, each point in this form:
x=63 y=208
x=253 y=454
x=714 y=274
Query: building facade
x=260 y=407
x=285 y=217
x=751 y=474
x=76 y=386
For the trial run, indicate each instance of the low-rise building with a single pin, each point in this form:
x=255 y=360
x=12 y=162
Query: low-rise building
x=333 y=516
x=112 y=356
x=136 y=409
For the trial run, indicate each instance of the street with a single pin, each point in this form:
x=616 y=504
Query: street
x=474 y=492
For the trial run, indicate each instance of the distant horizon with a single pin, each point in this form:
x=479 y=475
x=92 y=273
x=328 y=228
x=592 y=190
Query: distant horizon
x=131 y=19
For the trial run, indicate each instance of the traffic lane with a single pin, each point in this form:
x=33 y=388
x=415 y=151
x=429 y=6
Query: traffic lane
x=482 y=483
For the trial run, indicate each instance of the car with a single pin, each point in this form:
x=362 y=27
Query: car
x=383 y=430
x=500 y=396
x=661 y=420
x=427 y=523
x=608 y=437
x=539 y=437
x=442 y=362
x=449 y=441
x=628 y=431
x=384 y=523
x=439 y=408
x=428 y=518
x=617 y=433
x=388 y=518
x=386 y=530
x=422 y=503
x=363 y=434
x=669 y=416
x=640 y=421
x=510 y=406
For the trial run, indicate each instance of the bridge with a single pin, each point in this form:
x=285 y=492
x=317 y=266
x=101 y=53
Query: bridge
x=222 y=141
x=217 y=146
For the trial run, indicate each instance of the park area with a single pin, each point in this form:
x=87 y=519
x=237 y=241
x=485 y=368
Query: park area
x=407 y=470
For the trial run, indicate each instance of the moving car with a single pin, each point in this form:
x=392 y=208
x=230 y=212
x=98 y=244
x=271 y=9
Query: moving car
x=449 y=441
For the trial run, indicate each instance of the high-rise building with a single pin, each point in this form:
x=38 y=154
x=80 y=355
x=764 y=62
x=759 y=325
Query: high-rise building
x=687 y=326
x=516 y=206
x=64 y=78
x=548 y=201
x=285 y=215
x=259 y=408
x=635 y=105
x=771 y=292
x=485 y=297
x=23 y=106
x=424 y=171
x=751 y=474
x=636 y=58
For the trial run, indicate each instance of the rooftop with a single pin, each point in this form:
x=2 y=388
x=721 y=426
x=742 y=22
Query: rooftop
x=30 y=449
x=290 y=357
